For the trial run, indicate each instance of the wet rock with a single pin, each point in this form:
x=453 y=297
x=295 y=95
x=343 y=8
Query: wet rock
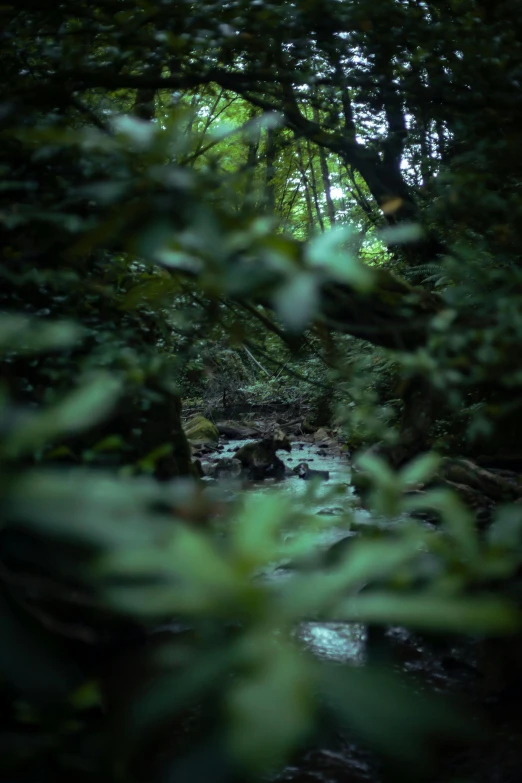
x=236 y=431
x=259 y=459
x=306 y=473
x=204 y=451
x=321 y=435
x=306 y=427
x=226 y=467
x=335 y=511
x=200 y=431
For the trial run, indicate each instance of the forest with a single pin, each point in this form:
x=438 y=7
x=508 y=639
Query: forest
x=260 y=401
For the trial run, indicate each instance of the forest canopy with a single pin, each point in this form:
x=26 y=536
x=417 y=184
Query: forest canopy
x=313 y=203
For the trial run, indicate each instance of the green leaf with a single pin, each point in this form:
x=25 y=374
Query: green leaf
x=140 y=132
x=388 y=714
x=420 y=469
x=110 y=443
x=187 y=575
x=88 y=506
x=377 y=468
x=82 y=408
x=506 y=529
x=26 y=334
x=270 y=709
x=386 y=496
x=223 y=130
x=402 y=234
x=270 y=120
x=366 y=561
x=334 y=253
x=197 y=559
x=256 y=529
x=314 y=594
x=426 y=611
x=149 y=462
x=457 y=519
x=297 y=301
x=178 y=259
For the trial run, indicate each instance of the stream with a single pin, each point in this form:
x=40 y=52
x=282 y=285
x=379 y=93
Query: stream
x=445 y=671
x=339 y=642
x=331 y=641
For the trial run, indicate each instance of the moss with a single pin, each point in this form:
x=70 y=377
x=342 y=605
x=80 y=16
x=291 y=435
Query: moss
x=200 y=431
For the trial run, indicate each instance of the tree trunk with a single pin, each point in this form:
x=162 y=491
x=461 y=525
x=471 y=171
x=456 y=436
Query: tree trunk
x=330 y=208
x=422 y=406
x=313 y=182
x=270 y=171
x=325 y=174
x=306 y=183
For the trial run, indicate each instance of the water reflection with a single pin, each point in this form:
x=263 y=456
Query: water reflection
x=337 y=642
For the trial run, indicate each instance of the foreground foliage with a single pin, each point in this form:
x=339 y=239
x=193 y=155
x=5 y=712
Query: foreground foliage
x=140 y=230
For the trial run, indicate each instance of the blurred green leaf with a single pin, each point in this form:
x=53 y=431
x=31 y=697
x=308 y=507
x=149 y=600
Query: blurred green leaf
x=457 y=519
x=186 y=574
x=82 y=408
x=256 y=530
x=314 y=594
x=25 y=334
x=366 y=561
x=150 y=460
x=110 y=443
x=270 y=120
x=223 y=130
x=386 y=497
x=270 y=708
x=377 y=468
x=384 y=711
x=88 y=506
x=297 y=301
x=506 y=529
x=401 y=234
x=140 y=132
x=420 y=469
x=426 y=611
x=335 y=253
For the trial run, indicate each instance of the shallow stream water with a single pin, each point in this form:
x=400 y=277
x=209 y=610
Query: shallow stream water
x=448 y=672
x=331 y=641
